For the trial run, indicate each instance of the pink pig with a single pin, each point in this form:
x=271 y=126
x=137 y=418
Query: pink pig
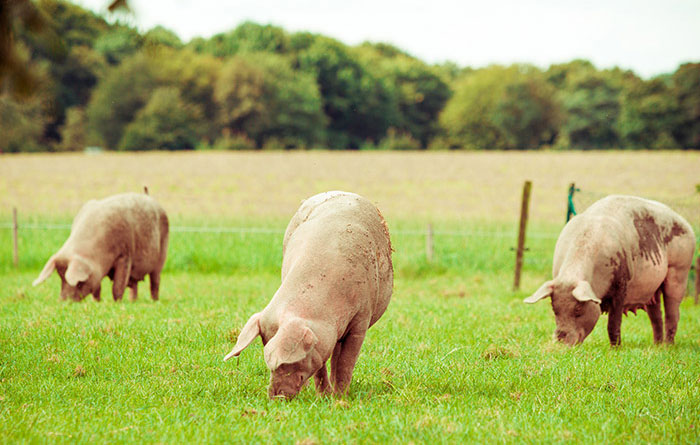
x=123 y=236
x=337 y=280
x=619 y=255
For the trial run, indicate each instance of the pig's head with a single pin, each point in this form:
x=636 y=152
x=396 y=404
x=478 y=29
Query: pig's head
x=290 y=354
x=576 y=309
x=78 y=276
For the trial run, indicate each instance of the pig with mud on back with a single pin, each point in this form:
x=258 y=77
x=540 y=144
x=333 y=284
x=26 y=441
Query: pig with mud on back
x=123 y=236
x=619 y=255
x=337 y=280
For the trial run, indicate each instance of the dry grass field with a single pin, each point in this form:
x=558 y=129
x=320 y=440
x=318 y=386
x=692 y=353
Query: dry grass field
x=215 y=187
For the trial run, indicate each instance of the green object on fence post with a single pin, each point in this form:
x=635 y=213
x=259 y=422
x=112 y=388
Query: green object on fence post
x=570 y=209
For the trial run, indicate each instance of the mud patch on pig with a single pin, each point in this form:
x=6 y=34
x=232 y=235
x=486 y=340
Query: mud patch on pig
x=615 y=296
x=676 y=230
x=651 y=238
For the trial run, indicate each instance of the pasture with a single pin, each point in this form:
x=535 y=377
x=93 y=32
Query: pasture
x=456 y=357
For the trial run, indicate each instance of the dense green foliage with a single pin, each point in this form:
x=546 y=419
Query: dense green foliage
x=261 y=96
x=457 y=356
x=502 y=108
x=260 y=86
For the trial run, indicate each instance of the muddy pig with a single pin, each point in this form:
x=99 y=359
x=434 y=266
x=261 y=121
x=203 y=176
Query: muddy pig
x=123 y=236
x=619 y=255
x=337 y=280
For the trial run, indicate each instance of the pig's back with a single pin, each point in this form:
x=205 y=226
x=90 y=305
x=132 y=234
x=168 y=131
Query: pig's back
x=343 y=234
x=626 y=236
x=646 y=228
x=126 y=223
x=640 y=226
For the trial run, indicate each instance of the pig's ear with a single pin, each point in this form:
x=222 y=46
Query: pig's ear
x=544 y=291
x=78 y=270
x=292 y=343
x=46 y=272
x=249 y=332
x=584 y=292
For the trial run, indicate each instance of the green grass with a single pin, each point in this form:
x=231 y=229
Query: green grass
x=457 y=356
x=457 y=248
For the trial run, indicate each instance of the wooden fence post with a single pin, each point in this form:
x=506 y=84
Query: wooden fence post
x=521 y=234
x=15 y=255
x=429 y=243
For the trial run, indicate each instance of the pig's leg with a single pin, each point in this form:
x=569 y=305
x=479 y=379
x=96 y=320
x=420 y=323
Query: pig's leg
x=614 y=322
x=654 y=312
x=349 y=351
x=122 y=271
x=155 y=284
x=334 y=360
x=155 y=275
x=96 y=292
x=133 y=290
x=321 y=380
x=674 y=291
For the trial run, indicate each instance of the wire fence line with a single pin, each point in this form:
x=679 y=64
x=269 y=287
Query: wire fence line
x=273 y=231
x=688 y=206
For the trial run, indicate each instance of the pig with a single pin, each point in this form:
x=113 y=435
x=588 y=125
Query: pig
x=337 y=280
x=123 y=236
x=619 y=255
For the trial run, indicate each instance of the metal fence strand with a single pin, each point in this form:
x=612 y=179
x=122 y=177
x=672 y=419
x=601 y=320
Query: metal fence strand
x=267 y=230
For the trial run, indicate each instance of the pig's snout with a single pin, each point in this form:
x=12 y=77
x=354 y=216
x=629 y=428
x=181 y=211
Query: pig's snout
x=71 y=294
x=286 y=388
x=570 y=338
x=281 y=392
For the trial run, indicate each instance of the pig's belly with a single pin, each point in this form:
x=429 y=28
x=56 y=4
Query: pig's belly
x=646 y=280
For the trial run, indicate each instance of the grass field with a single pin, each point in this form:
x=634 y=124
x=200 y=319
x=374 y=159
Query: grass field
x=457 y=356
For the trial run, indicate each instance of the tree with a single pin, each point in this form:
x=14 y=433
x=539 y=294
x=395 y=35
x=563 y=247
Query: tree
x=15 y=77
x=71 y=24
x=261 y=96
x=165 y=123
x=125 y=89
x=23 y=117
x=74 y=131
x=502 y=108
x=195 y=76
x=162 y=36
x=686 y=91
x=21 y=124
x=591 y=101
x=246 y=38
x=64 y=47
x=78 y=75
x=419 y=92
x=118 y=43
x=73 y=80
x=648 y=114
x=115 y=101
x=357 y=103
x=300 y=89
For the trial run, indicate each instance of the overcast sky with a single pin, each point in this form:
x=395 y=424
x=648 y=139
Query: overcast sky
x=647 y=36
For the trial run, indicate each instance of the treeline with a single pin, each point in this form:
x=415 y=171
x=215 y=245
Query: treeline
x=259 y=86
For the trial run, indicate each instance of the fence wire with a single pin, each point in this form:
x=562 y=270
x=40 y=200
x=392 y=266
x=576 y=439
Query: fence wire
x=273 y=231
x=688 y=207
